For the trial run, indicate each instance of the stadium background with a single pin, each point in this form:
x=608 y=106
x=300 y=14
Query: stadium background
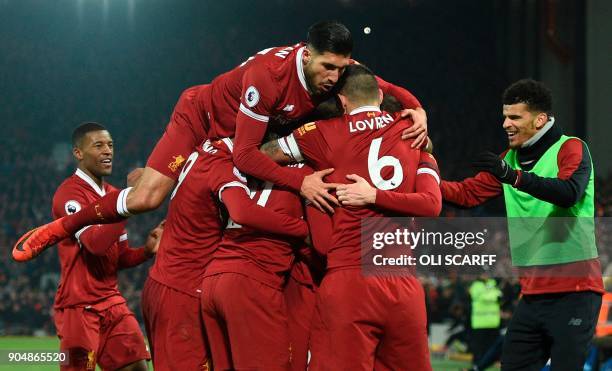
x=124 y=63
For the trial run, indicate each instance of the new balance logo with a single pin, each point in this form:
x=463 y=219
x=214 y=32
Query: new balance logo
x=288 y=108
x=575 y=322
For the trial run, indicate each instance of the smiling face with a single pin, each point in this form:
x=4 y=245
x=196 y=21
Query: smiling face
x=323 y=70
x=95 y=153
x=521 y=124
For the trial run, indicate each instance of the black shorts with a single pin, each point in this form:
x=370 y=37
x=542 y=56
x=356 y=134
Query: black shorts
x=558 y=327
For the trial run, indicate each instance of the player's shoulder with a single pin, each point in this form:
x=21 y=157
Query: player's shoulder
x=70 y=194
x=71 y=184
x=109 y=187
x=276 y=62
x=573 y=144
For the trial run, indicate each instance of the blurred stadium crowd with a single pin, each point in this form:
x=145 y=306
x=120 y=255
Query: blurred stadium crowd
x=135 y=102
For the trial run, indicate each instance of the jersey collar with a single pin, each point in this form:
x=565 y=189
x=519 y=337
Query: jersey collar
x=300 y=67
x=531 y=141
x=83 y=175
x=364 y=109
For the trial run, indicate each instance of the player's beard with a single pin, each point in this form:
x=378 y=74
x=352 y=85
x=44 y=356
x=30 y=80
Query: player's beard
x=310 y=76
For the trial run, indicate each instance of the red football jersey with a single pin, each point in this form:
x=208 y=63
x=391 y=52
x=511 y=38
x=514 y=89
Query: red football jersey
x=86 y=279
x=270 y=83
x=240 y=103
x=266 y=257
x=193 y=223
x=367 y=142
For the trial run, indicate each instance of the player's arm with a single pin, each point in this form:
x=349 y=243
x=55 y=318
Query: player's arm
x=425 y=201
x=564 y=190
x=131 y=257
x=574 y=163
x=321 y=229
x=412 y=108
x=245 y=211
x=471 y=192
x=259 y=96
x=306 y=143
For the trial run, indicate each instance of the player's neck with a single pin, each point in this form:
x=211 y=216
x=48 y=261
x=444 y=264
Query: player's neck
x=98 y=180
x=360 y=106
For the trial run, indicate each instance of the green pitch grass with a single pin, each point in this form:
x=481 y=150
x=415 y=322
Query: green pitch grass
x=50 y=344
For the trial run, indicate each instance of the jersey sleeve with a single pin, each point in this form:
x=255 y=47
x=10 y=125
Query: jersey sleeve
x=574 y=163
x=257 y=103
x=472 y=191
x=320 y=225
x=225 y=175
x=425 y=201
x=306 y=143
x=405 y=98
x=129 y=256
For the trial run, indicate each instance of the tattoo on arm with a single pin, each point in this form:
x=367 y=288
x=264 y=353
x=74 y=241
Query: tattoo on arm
x=275 y=152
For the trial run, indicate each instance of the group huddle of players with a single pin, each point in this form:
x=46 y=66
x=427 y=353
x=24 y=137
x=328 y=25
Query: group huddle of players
x=258 y=262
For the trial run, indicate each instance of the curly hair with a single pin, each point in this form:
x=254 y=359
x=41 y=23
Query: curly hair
x=534 y=94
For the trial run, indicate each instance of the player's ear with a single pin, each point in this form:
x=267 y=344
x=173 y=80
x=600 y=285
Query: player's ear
x=77 y=153
x=541 y=120
x=306 y=56
x=380 y=96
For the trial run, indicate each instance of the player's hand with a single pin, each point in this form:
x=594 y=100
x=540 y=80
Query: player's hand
x=134 y=176
x=360 y=193
x=418 y=130
x=154 y=238
x=498 y=167
x=316 y=191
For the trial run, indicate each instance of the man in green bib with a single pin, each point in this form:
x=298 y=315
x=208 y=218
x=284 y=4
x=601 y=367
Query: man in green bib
x=547 y=180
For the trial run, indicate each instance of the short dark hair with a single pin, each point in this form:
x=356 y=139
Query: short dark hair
x=330 y=36
x=80 y=131
x=358 y=83
x=534 y=94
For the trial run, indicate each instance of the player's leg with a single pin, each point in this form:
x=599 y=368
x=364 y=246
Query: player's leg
x=572 y=325
x=174 y=328
x=78 y=331
x=121 y=341
x=404 y=344
x=526 y=346
x=214 y=324
x=346 y=327
x=184 y=132
x=300 y=301
x=136 y=366
x=256 y=321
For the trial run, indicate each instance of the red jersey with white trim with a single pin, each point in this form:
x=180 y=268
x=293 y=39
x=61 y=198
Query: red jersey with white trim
x=368 y=143
x=270 y=83
x=86 y=279
x=193 y=224
x=266 y=257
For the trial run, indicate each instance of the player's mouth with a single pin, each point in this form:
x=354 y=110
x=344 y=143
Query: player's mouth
x=326 y=87
x=512 y=134
x=107 y=162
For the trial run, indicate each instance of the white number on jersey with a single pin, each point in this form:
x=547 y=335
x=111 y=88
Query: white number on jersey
x=375 y=166
x=188 y=165
x=261 y=201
